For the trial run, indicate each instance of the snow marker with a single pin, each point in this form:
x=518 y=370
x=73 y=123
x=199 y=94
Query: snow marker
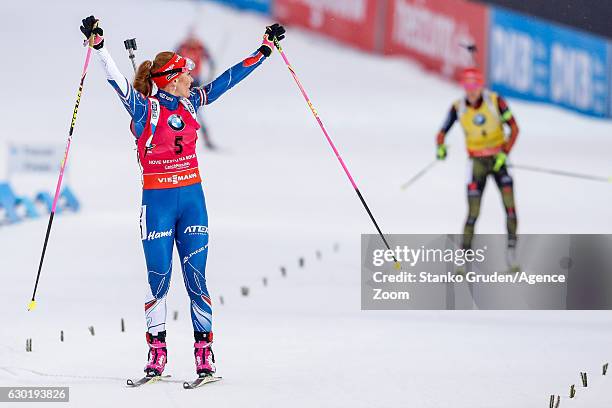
x=554 y=403
x=583 y=376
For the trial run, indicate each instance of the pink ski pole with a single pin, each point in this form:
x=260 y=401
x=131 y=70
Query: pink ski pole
x=32 y=304
x=331 y=143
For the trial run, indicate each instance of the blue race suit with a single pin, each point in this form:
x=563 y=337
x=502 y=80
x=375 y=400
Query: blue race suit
x=174 y=214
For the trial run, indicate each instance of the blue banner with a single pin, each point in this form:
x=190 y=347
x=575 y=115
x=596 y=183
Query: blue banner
x=544 y=62
x=262 y=6
x=610 y=79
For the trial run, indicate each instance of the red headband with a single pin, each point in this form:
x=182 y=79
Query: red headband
x=170 y=71
x=472 y=79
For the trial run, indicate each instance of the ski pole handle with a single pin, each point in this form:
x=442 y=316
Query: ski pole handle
x=92 y=38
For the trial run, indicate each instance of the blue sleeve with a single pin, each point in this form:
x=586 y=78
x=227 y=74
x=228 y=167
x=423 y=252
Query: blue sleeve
x=208 y=94
x=450 y=120
x=136 y=104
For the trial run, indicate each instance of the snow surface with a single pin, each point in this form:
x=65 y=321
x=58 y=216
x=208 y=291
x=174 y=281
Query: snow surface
x=275 y=193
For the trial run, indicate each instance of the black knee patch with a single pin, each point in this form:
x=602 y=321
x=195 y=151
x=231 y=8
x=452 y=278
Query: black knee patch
x=505 y=180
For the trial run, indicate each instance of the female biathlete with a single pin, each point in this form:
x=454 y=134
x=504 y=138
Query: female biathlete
x=482 y=115
x=173 y=206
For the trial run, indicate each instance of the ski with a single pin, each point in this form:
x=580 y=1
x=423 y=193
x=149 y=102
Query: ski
x=145 y=380
x=198 y=382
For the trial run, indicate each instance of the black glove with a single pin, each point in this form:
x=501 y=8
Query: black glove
x=275 y=31
x=88 y=29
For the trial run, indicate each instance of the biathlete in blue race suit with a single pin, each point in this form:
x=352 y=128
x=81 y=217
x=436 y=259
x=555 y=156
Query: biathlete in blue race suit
x=173 y=206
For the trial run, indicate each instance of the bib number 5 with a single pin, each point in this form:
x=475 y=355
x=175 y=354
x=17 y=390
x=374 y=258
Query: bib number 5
x=178 y=142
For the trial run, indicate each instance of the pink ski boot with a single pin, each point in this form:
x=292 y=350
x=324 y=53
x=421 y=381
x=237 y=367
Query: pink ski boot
x=158 y=355
x=204 y=357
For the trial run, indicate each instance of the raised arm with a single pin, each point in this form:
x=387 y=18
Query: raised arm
x=134 y=102
x=226 y=81
x=209 y=93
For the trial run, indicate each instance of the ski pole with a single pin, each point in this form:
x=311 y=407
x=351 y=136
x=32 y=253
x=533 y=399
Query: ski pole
x=130 y=46
x=89 y=43
x=331 y=143
x=561 y=173
x=419 y=174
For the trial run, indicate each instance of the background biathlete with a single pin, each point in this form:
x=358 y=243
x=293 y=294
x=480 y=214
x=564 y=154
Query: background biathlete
x=173 y=207
x=483 y=115
x=194 y=49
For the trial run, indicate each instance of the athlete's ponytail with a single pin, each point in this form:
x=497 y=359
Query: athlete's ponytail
x=142 y=80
